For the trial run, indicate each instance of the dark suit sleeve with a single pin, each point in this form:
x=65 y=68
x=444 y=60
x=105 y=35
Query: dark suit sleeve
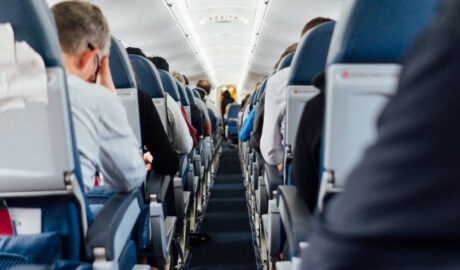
x=305 y=164
x=401 y=206
x=165 y=160
x=256 y=133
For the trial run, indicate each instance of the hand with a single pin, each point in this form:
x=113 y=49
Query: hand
x=105 y=76
x=148 y=161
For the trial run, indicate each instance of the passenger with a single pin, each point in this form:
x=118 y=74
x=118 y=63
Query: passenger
x=212 y=116
x=271 y=140
x=197 y=118
x=160 y=63
x=154 y=137
x=227 y=99
x=105 y=140
x=191 y=129
x=400 y=208
x=182 y=142
x=306 y=162
x=205 y=116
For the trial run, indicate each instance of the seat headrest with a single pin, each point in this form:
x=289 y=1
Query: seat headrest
x=311 y=55
x=190 y=96
x=148 y=76
x=285 y=62
x=122 y=72
x=262 y=90
x=33 y=22
x=169 y=85
x=183 y=96
x=375 y=31
x=196 y=94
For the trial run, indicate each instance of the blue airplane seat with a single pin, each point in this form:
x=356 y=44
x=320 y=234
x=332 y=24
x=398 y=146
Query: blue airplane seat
x=185 y=101
x=286 y=61
x=395 y=25
x=150 y=81
x=363 y=68
x=169 y=85
x=263 y=86
x=50 y=183
x=183 y=95
x=232 y=120
x=309 y=61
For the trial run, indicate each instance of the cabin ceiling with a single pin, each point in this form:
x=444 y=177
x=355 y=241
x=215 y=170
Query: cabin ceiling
x=227 y=41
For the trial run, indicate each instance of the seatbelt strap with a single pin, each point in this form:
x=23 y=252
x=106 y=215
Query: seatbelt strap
x=6 y=223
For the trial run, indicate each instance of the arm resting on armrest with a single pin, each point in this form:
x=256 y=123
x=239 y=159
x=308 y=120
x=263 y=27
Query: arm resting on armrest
x=113 y=225
x=295 y=216
x=272 y=179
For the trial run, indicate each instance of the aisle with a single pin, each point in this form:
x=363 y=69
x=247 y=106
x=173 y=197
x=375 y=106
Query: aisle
x=226 y=221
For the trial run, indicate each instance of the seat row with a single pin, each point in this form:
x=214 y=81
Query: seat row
x=152 y=222
x=361 y=67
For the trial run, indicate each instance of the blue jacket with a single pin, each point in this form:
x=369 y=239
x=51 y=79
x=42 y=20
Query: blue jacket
x=248 y=125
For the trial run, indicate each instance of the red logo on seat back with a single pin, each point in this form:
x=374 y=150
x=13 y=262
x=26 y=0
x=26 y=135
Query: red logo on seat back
x=345 y=74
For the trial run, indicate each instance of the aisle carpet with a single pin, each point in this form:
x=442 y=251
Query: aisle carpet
x=226 y=221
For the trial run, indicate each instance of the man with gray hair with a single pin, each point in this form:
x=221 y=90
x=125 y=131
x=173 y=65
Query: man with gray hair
x=105 y=141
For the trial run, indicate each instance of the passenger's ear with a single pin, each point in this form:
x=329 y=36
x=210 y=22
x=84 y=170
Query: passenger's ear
x=87 y=58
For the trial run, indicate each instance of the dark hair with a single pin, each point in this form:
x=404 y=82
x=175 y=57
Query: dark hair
x=186 y=80
x=206 y=85
x=314 y=22
x=135 y=51
x=292 y=48
x=160 y=63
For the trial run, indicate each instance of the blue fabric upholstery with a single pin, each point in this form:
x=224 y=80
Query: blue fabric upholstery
x=128 y=256
x=122 y=72
x=196 y=94
x=248 y=125
x=148 y=75
x=233 y=111
x=262 y=90
x=286 y=61
x=33 y=22
x=375 y=31
x=311 y=55
x=190 y=96
x=169 y=85
x=27 y=249
x=183 y=95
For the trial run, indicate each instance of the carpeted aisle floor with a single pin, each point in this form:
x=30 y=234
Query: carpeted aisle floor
x=226 y=221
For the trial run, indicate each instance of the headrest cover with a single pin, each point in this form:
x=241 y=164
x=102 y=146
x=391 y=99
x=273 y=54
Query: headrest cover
x=148 y=76
x=183 y=96
x=33 y=22
x=376 y=31
x=310 y=58
x=122 y=72
x=286 y=61
x=169 y=85
x=190 y=96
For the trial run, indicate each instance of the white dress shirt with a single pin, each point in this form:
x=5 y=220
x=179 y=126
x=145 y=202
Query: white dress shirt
x=182 y=142
x=105 y=140
x=271 y=141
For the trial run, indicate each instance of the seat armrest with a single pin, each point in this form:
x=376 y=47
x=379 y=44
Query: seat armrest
x=112 y=227
x=157 y=184
x=272 y=179
x=295 y=216
x=183 y=161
